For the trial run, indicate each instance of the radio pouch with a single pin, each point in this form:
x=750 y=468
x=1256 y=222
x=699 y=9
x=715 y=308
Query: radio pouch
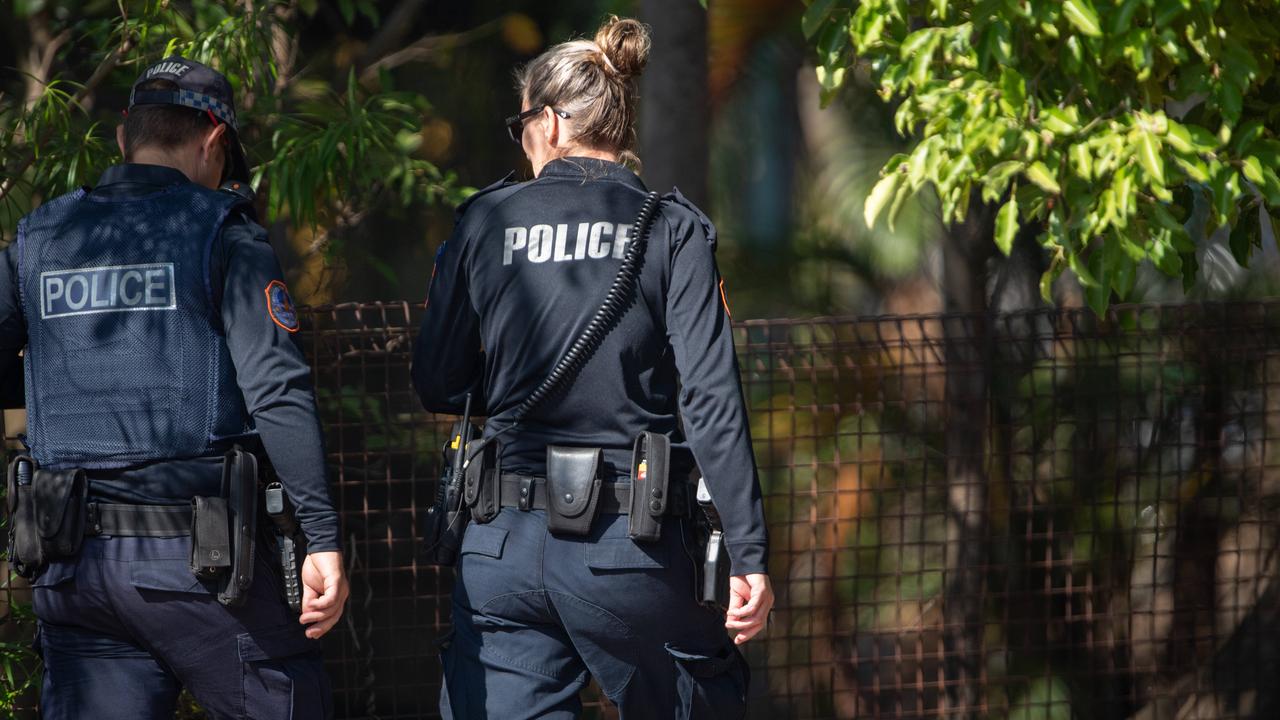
x=240 y=488
x=61 y=506
x=210 y=537
x=650 y=486
x=573 y=489
x=482 y=483
x=26 y=554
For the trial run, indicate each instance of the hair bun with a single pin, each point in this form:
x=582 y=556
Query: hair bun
x=625 y=42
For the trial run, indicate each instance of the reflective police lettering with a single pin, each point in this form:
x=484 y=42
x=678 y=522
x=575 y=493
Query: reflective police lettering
x=540 y=243
x=117 y=288
x=169 y=68
x=515 y=238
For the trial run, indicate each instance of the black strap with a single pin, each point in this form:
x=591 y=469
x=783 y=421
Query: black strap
x=528 y=492
x=139 y=520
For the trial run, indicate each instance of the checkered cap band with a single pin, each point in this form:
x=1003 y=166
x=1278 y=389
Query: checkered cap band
x=186 y=98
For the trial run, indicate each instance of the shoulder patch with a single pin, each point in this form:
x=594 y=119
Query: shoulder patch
x=280 y=306
x=504 y=182
x=708 y=228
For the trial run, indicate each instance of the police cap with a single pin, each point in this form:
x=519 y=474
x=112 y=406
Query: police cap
x=199 y=87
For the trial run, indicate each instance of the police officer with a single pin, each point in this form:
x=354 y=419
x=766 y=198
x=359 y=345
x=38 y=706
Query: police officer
x=158 y=334
x=536 y=612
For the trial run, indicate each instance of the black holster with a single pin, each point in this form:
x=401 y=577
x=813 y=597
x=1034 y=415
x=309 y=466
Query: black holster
x=573 y=489
x=712 y=573
x=240 y=488
x=211 y=554
x=482 y=484
x=446 y=520
x=47 y=513
x=650 y=486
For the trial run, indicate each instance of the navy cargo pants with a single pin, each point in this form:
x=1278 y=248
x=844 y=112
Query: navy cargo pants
x=125 y=626
x=535 y=614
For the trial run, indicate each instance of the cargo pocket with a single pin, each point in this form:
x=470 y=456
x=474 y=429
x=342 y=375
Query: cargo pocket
x=283 y=676
x=484 y=540
x=166 y=575
x=710 y=685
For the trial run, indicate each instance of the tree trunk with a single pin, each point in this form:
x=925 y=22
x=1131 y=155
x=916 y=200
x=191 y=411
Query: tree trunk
x=674 y=103
x=968 y=354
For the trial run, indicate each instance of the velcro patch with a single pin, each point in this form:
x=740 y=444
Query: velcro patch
x=280 y=306
x=117 y=288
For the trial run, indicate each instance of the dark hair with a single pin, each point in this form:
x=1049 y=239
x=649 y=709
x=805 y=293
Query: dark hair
x=594 y=81
x=162 y=126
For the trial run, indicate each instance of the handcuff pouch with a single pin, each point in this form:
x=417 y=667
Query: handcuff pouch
x=482 y=489
x=26 y=554
x=210 y=537
x=650 y=486
x=573 y=488
x=61 y=506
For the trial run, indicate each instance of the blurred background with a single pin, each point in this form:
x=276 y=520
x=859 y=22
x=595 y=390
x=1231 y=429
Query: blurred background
x=1118 y=470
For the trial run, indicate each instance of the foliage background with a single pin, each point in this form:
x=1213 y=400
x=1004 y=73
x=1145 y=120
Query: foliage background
x=367 y=120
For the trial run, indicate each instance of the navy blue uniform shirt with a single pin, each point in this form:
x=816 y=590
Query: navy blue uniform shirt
x=527 y=266
x=270 y=369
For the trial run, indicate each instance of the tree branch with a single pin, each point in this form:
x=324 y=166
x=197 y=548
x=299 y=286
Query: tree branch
x=104 y=69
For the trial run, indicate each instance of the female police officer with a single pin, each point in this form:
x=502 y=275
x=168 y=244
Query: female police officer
x=537 y=610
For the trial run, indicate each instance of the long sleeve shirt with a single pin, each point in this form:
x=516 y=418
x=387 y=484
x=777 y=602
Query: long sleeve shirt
x=527 y=266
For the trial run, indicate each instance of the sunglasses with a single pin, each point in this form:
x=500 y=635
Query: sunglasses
x=515 y=123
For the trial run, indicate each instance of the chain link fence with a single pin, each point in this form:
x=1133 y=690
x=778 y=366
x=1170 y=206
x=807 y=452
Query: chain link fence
x=1038 y=516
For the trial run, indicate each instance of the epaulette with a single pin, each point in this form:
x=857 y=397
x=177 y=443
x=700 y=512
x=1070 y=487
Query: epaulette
x=709 y=229
x=504 y=182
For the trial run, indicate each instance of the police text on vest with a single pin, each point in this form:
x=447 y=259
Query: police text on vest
x=120 y=288
x=541 y=243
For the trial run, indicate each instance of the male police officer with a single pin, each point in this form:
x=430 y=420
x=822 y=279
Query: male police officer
x=158 y=335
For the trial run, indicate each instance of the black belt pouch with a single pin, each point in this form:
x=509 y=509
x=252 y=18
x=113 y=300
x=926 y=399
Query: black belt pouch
x=25 y=551
x=573 y=489
x=650 y=486
x=61 y=506
x=240 y=487
x=210 y=537
x=481 y=489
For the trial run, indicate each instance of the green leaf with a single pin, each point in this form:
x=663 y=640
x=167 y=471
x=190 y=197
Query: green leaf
x=1253 y=170
x=1081 y=14
x=1246 y=233
x=1081 y=160
x=880 y=196
x=1013 y=92
x=1149 y=156
x=813 y=18
x=1039 y=174
x=1007 y=225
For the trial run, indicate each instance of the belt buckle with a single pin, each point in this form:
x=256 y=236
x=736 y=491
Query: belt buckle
x=525 y=501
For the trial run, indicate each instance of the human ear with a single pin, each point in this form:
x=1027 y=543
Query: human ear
x=120 y=139
x=551 y=126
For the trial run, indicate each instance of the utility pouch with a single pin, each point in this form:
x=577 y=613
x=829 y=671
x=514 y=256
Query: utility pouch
x=240 y=488
x=482 y=486
x=26 y=554
x=573 y=489
x=650 y=486
x=61 y=506
x=210 y=538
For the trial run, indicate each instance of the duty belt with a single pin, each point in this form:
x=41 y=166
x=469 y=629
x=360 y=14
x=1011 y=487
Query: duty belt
x=138 y=520
x=529 y=492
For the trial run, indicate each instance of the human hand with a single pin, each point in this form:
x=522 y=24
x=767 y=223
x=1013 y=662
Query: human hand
x=750 y=602
x=324 y=592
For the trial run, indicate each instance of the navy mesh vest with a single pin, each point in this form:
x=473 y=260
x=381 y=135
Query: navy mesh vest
x=125 y=360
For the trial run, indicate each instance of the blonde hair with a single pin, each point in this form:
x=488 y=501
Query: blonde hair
x=593 y=81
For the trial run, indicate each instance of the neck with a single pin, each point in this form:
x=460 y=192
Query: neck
x=581 y=152
x=153 y=156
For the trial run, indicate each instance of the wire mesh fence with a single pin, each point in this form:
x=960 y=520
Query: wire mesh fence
x=1036 y=516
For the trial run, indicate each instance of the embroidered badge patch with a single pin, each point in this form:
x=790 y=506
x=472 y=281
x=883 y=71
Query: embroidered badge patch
x=280 y=306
